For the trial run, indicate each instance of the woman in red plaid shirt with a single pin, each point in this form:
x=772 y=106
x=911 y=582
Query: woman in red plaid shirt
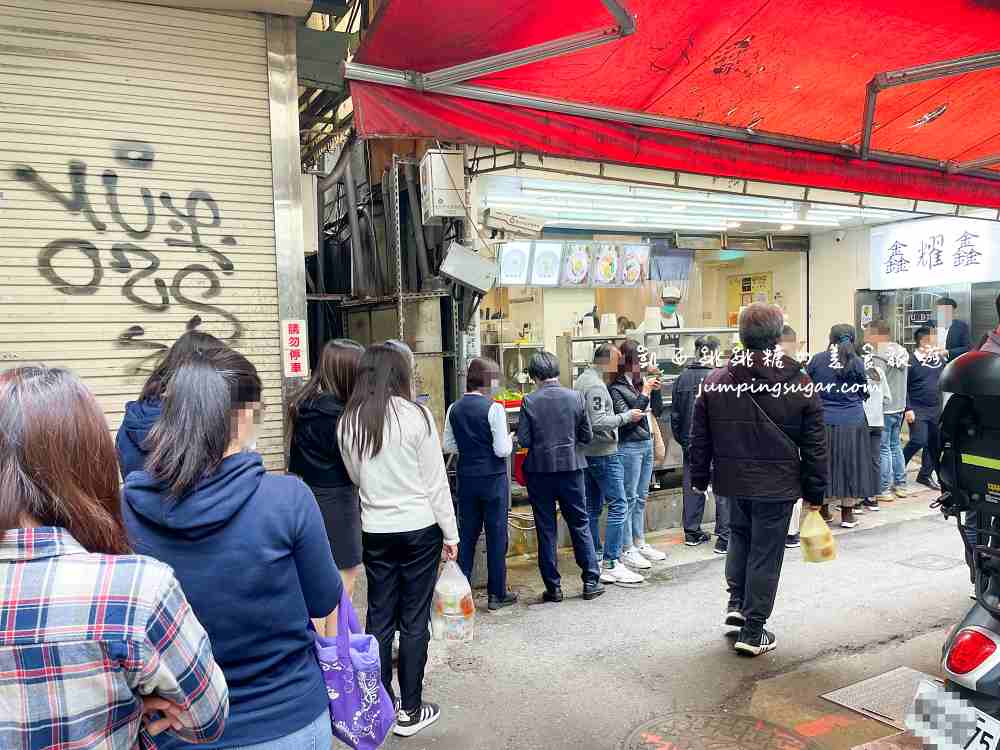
x=99 y=649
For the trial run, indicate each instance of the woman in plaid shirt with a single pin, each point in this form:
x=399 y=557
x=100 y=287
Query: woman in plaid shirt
x=92 y=638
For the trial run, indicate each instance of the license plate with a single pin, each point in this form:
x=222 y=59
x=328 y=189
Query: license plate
x=947 y=722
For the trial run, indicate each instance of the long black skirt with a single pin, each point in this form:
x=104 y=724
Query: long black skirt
x=852 y=454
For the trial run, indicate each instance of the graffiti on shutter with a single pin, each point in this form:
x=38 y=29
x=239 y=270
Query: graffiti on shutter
x=145 y=286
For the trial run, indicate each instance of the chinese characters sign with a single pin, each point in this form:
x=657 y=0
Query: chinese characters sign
x=294 y=354
x=933 y=252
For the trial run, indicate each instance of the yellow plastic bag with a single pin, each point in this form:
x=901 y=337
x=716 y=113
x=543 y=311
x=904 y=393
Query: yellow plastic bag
x=817 y=539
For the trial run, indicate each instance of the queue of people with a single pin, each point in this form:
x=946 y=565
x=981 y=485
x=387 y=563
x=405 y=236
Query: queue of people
x=212 y=574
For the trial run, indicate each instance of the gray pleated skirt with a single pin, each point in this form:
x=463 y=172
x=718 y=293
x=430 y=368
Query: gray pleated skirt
x=853 y=462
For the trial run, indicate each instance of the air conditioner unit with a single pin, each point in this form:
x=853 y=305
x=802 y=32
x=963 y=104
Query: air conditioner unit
x=468 y=268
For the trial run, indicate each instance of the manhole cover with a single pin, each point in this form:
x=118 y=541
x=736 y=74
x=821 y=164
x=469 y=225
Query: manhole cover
x=932 y=562
x=465 y=663
x=711 y=731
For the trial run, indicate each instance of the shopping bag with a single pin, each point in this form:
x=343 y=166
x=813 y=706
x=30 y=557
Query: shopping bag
x=659 y=447
x=361 y=710
x=817 y=539
x=454 y=613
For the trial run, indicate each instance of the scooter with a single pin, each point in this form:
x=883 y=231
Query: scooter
x=964 y=711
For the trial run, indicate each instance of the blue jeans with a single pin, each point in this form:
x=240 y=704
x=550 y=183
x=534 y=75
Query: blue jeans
x=315 y=736
x=892 y=467
x=606 y=484
x=637 y=461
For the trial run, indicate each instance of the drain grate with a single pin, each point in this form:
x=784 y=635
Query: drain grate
x=885 y=697
x=712 y=731
x=932 y=562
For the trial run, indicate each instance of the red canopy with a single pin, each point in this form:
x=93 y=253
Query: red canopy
x=761 y=68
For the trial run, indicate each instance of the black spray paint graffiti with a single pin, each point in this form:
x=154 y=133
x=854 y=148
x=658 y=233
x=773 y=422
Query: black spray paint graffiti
x=144 y=287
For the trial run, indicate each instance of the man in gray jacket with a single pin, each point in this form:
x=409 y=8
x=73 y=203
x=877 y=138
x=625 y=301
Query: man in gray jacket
x=894 y=360
x=605 y=475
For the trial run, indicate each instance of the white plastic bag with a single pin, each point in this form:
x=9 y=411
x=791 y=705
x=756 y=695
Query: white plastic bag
x=454 y=615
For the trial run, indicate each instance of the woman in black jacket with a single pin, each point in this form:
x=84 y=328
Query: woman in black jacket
x=635 y=447
x=315 y=451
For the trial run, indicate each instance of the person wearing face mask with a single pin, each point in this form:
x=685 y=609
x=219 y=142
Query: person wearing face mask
x=923 y=405
x=958 y=339
x=476 y=429
x=249 y=549
x=670 y=318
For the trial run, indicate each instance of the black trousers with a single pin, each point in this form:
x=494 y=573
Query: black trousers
x=483 y=500
x=694 y=502
x=757 y=530
x=402 y=571
x=924 y=434
x=570 y=490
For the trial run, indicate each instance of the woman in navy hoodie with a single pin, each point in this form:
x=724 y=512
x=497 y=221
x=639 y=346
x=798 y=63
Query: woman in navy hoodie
x=141 y=415
x=249 y=549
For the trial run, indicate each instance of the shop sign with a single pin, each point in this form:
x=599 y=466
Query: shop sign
x=294 y=354
x=934 y=252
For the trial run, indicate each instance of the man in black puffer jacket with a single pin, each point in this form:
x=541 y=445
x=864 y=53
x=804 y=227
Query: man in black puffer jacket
x=758 y=436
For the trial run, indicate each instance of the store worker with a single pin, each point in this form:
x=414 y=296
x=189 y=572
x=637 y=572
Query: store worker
x=958 y=339
x=554 y=428
x=605 y=474
x=685 y=391
x=476 y=429
x=669 y=316
x=923 y=405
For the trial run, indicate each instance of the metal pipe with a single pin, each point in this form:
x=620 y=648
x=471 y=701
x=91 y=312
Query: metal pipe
x=505 y=61
x=625 y=19
x=986 y=161
x=321 y=241
x=357 y=254
x=423 y=267
x=869 y=117
x=940 y=69
x=388 y=77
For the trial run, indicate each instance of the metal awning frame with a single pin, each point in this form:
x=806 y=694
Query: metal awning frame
x=919 y=74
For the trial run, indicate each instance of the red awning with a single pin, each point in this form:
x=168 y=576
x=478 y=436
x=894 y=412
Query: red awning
x=785 y=79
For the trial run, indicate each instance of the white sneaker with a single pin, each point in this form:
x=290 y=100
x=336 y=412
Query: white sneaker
x=620 y=575
x=633 y=559
x=651 y=553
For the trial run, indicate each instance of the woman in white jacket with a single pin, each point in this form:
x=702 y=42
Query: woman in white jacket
x=392 y=452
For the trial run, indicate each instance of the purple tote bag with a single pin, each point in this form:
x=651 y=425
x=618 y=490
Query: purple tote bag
x=360 y=708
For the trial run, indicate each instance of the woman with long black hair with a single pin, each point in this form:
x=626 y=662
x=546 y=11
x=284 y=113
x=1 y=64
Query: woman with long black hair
x=249 y=548
x=314 y=452
x=839 y=375
x=141 y=415
x=393 y=454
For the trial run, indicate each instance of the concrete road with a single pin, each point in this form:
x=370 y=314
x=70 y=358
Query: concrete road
x=584 y=675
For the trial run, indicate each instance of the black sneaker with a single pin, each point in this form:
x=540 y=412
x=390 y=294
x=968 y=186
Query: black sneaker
x=497 y=602
x=592 y=590
x=721 y=547
x=734 y=617
x=871 y=506
x=693 y=539
x=553 y=596
x=792 y=541
x=755 y=645
x=408 y=724
x=930 y=483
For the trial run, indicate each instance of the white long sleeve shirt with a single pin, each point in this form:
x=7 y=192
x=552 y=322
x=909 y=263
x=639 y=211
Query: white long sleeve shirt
x=502 y=442
x=404 y=487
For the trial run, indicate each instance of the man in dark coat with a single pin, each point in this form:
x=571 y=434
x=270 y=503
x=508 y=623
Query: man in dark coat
x=923 y=405
x=685 y=391
x=958 y=340
x=758 y=436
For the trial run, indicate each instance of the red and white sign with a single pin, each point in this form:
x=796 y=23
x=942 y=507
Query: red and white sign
x=294 y=351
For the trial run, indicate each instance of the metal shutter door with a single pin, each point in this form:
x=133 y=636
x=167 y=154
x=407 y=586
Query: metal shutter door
x=135 y=192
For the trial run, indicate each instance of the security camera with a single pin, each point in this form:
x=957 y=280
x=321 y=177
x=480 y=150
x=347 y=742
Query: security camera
x=839 y=236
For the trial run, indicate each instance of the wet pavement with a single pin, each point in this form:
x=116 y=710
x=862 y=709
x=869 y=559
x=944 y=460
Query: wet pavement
x=651 y=668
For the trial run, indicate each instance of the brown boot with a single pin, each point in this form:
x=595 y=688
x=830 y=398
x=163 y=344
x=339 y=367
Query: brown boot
x=847 y=518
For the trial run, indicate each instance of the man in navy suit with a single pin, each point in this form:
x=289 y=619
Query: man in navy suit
x=959 y=339
x=554 y=427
